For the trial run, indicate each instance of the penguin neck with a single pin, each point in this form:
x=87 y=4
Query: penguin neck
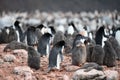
x=18 y=28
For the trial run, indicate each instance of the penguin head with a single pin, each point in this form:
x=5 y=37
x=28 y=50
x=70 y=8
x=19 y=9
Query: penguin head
x=31 y=28
x=71 y=23
x=101 y=29
x=80 y=43
x=80 y=39
x=48 y=35
x=32 y=51
x=60 y=43
x=40 y=26
x=107 y=43
x=7 y=30
x=16 y=23
x=52 y=29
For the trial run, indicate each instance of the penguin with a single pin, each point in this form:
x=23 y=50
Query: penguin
x=58 y=37
x=52 y=31
x=31 y=36
x=97 y=55
x=100 y=36
x=79 y=55
x=77 y=38
x=116 y=47
x=90 y=66
x=89 y=50
x=8 y=34
x=55 y=56
x=33 y=58
x=109 y=58
x=117 y=35
x=44 y=44
x=71 y=24
x=19 y=31
x=15 y=45
x=70 y=35
x=42 y=28
x=0 y=35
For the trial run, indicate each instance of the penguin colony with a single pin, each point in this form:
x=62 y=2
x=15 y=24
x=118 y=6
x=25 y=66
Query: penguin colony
x=98 y=42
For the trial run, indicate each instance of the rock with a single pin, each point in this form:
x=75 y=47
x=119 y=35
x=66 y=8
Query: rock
x=71 y=68
x=52 y=75
x=65 y=77
x=27 y=76
x=21 y=70
x=9 y=78
x=9 y=58
x=111 y=75
x=1 y=61
x=2 y=73
x=90 y=75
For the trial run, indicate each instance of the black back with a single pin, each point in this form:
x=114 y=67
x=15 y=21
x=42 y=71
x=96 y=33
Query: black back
x=42 y=43
x=54 y=52
x=31 y=36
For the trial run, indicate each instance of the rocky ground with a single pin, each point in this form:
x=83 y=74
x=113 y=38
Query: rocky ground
x=13 y=66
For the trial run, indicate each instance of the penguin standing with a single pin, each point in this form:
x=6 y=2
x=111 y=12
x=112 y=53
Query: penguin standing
x=100 y=36
x=109 y=59
x=8 y=34
x=31 y=36
x=52 y=31
x=117 y=35
x=55 y=56
x=33 y=58
x=97 y=55
x=89 y=50
x=79 y=55
x=44 y=44
x=116 y=47
x=58 y=37
x=19 y=31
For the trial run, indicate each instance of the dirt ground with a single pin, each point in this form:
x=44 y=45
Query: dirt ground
x=6 y=69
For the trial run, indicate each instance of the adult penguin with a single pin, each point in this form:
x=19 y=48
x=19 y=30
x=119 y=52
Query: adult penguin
x=42 y=28
x=19 y=31
x=58 y=37
x=100 y=36
x=117 y=35
x=44 y=44
x=31 y=36
x=52 y=31
x=55 y=56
